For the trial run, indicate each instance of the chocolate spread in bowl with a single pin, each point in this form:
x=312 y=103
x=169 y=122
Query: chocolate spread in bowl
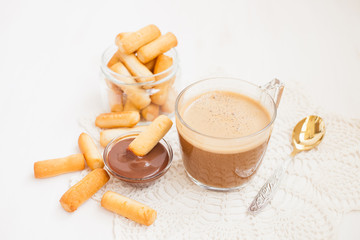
x=126 y=164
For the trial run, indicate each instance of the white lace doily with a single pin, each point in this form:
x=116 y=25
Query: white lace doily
x=319 y=187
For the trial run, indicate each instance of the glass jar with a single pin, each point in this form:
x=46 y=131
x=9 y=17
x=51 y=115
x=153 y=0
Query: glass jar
x=130 y=93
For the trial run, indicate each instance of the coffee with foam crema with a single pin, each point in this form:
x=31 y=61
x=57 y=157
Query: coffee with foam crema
x=225 y=114
x=222 y=146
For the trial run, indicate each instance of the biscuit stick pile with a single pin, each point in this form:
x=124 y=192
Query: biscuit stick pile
x=140 y=59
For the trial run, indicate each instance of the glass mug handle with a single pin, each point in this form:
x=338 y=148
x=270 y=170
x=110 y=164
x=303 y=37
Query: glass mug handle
x=275 y=88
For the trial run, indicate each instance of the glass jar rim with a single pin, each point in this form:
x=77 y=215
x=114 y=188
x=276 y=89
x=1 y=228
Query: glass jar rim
x=177 y=113
x=138 y=180
x=171 y=71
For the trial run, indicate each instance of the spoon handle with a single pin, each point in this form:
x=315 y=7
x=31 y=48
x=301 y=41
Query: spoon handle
x=268 y=190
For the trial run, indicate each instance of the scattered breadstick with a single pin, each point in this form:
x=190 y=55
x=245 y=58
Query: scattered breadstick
x=148 y=139
x=54 y=167
x=150 y=65
x=133 y=41
x=169 y=105
x=160 y=45
x=84 y=189
x=128 y=208
x=150 y=112
x=115 y=100
x=115 y=120
x=139 y=97
x=163 y=63
x=90 y=151
x=136 y=68
x=109 y=134
x=129 y=106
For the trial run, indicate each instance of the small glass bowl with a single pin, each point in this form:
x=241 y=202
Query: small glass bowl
x=133 y=134
x=113 y=87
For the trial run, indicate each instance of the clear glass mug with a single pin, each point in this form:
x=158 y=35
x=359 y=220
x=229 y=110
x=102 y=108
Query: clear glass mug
x=225 y=163
x=120 y=95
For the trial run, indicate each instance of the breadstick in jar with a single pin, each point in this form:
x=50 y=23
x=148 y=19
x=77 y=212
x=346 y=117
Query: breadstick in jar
x=115 y=120
x=109 y=134
x=115 y=100
x=129 y=106
x=147 y=139
x=133 y=41
x=160 y=45
x=169 y=105
x=54 y=167
x=150 y=112
x=84 y=189
x=125 y=75
x=162 y=64
x=150 y=65
x=90 y=151
x=128 y=208
x=115 y=58
x=139 y=97
x=121 y=36
x=136 y=68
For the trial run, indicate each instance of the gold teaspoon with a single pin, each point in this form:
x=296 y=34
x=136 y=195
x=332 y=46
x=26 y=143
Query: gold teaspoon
x=306 y=135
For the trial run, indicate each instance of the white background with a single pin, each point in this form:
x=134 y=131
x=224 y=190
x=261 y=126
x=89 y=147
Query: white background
x=49 y=72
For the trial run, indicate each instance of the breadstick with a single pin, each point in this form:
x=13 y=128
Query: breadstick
x=115 y=120
x=163 y=63
x=115 y=58
x=128 y=208
x=90 y=151
x=113 y=86
x=133 y=41
x=121 y=36
x=139 y=97
x=150 y=112
x=129 y=106
x=54 y=167
x=161 y=96
x=115 y=100
x=135 y=67
x=107 y=135
x=122 y=70
x=148 y=139
x=160 y=45
x=169 y=105
x=84 y=189
x=150 y=65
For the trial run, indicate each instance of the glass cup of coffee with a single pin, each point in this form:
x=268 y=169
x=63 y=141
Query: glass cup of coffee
x=224 y=126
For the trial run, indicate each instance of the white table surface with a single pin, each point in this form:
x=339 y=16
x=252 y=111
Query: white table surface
x=49 y=70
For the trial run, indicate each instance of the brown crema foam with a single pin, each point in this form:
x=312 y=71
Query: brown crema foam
x=227 y=151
